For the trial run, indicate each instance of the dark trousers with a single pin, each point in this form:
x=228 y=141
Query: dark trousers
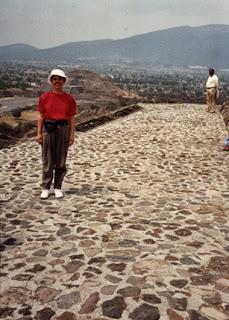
x=54 y=154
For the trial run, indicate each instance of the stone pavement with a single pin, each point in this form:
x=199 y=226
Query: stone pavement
x=141 y=234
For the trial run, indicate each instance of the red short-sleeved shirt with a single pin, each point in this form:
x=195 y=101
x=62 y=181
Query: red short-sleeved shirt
x=57 y=106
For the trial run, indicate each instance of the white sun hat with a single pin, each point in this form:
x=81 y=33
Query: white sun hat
x=57 y=72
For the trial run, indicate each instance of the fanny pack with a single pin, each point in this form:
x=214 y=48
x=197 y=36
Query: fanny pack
x=52 y=125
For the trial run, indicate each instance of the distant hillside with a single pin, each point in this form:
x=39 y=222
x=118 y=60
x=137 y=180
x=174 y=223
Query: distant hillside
x=180 y=46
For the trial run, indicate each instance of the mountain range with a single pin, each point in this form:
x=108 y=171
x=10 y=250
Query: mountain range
x=180 y=46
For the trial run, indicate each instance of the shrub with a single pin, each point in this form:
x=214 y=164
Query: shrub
x=6 y=128
x=112 y=106
x=123 y=101
x=17 y=131
x=16 y=113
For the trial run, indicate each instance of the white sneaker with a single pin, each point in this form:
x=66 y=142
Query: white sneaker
x=44 y=194
x=58 y=193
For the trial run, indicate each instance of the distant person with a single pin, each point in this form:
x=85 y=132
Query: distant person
x=212 y=86
x=225 y=113
x=55 y=132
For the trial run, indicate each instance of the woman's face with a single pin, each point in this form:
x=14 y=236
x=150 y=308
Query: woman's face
x=57 y=82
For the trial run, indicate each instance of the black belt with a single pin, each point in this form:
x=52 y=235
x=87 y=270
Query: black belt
x=58 y=122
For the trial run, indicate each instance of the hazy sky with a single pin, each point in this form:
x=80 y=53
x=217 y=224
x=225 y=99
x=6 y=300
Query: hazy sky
x=47 y=23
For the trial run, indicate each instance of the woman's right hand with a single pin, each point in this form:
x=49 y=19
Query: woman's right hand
x=39 y=138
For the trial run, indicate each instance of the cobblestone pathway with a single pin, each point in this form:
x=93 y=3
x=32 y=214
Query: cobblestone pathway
x=141 y=234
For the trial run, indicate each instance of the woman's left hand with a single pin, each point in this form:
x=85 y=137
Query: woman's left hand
x=71 y=139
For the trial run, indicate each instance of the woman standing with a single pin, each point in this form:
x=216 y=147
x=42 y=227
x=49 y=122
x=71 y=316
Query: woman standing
x=55 y=132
